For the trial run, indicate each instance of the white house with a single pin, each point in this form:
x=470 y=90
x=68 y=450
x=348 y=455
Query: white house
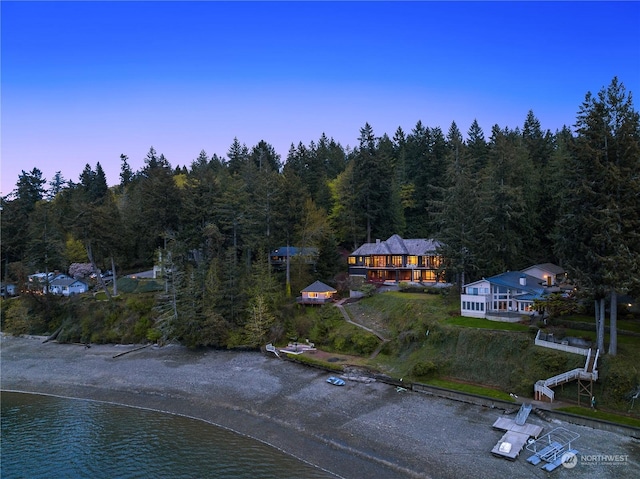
x=8 y=289
x=551 y=274
x=504 y=297
x=68 y=286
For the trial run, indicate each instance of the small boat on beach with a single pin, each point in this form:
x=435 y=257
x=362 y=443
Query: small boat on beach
x=335 y=381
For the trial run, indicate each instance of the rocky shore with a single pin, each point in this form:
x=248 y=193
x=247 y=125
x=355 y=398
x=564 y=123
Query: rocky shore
x=360 y=430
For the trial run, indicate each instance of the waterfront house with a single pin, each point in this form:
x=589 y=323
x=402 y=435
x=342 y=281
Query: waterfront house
x=504 y=297
x=68 y=286
x=278 y=257
x=317 y=293
x=552 y=274
x=397 y=260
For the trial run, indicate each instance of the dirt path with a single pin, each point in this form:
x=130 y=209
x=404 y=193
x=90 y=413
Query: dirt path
x=345 y=314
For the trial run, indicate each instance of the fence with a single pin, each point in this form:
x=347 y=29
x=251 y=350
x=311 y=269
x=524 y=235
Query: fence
x=560 y=346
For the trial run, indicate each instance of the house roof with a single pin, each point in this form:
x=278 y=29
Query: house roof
x=476 y=282
x=511 y=280
x=548 y=267
x=293 y=251
x=66 y=282
x=318 y=287
x=527 y=297
x=397 y=245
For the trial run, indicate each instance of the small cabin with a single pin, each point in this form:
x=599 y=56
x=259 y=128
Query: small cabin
x=317 y=293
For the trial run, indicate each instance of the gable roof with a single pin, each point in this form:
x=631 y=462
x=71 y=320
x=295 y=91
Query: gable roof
x=318 y=287
x=399 y=246
x=548 y=267
x=483 y=280
x=66 y=282
x=511 y=280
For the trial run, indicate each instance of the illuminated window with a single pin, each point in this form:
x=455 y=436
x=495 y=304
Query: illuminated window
x=396 y=260
x=428 y=276
x=352 y=260
x=379 y=261
x=412 y=260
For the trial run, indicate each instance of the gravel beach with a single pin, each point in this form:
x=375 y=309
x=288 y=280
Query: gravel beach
x=360 y=430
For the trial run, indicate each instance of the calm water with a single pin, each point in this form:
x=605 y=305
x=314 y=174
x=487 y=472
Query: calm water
x=49 y=437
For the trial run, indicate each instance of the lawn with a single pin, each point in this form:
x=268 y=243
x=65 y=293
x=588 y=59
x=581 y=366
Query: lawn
x=393 y=312
x=589 y=321
x=603 y=415
x=475 y=351
x=485 y=324
x=470 y=389
x=413 y=296
x=591 y=335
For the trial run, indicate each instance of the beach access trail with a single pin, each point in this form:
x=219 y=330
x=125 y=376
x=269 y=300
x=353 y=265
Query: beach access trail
x=357 y=431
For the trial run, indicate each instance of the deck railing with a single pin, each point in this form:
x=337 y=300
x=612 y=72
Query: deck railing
x=543 y=386
x=559 y=346
x=541 y=390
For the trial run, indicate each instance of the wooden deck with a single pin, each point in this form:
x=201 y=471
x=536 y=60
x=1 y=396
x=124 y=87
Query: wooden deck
x=299 y=348
x=508 y=424
x=510 y=445
x=515 y=437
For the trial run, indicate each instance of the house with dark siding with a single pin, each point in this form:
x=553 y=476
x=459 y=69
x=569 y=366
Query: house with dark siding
x=398 y=260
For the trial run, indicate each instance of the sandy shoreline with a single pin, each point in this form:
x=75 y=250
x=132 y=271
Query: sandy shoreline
x=356 y=431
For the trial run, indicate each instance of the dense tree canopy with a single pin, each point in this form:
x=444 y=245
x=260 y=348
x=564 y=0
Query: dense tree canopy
x=598 y=230
x=521 y=196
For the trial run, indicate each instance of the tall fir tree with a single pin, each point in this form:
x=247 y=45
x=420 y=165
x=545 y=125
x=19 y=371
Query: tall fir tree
x=461 y=226
x=598 y=232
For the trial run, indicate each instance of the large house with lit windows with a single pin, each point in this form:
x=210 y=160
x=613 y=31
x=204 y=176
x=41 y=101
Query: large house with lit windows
x=397 y=260
x=508 y=296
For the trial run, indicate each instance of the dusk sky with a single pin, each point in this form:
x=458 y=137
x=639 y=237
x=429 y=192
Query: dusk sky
x=83 y=82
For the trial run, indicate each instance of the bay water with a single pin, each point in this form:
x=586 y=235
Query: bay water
x=51 y=437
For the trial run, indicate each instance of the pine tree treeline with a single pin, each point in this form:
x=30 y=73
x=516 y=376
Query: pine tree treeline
x=519 y=197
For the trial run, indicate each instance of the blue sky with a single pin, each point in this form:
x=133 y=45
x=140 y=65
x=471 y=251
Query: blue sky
x=83 y=82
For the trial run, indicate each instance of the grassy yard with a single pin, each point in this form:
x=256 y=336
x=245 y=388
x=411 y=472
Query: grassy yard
x=413 y=296
x=470 y=389
x=485 y=324
x=589 y=322
x=603 y=415
x=393 y=312
x=430 y=343
x=591 y=335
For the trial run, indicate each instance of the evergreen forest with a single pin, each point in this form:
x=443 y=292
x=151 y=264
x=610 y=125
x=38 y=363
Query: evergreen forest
x=498 y=200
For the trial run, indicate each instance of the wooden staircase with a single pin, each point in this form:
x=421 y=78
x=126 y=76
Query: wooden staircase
x=542 y=388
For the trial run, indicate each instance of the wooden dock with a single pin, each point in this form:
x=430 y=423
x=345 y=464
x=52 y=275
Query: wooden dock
x=515 y=437
x=510 y=445
x=507 y=424
x=299 y=348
